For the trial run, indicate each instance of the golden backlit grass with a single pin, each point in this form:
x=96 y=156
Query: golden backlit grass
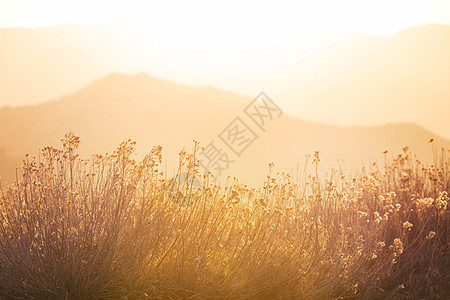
x=112 y=227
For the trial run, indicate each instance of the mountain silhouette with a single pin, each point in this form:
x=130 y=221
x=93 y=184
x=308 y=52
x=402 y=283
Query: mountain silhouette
x=153 y=111
x=328 y=75
x=400 y=78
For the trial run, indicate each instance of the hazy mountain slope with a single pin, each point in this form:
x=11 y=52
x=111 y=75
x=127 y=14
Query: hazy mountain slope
x=402 y=77
x=327 y=76
x=154 y=111
x=118 y=107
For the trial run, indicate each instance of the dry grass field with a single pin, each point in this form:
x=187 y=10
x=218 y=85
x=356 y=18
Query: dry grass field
x=111 y=227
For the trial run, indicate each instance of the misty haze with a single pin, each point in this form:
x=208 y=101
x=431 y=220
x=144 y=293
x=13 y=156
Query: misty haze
x=232 y=151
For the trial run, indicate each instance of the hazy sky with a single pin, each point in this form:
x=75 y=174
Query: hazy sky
x=273 y=21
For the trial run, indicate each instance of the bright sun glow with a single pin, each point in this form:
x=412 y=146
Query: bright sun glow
x=232 y=25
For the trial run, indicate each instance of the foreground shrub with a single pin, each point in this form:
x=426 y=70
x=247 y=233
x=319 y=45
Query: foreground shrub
x=111 y=227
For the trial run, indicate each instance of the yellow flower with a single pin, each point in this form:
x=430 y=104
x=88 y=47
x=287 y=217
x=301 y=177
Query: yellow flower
x=407 y=225
x=362 y=214
x=430 y=235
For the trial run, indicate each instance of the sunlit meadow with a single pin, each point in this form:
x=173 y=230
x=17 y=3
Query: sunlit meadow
x=111 y=227
x=301 y=201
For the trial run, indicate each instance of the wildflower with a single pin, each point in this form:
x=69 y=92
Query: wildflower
x=362 y=214
x=397 y=246
x=407 y=225
x=425 y=202
x=316 y=157
x=430 y=235
x=405 y=176
x=442 y=200
x=377 y=217
x=390 y=197
x=271 y=166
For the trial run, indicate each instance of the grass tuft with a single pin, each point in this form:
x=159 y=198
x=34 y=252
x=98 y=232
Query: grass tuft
x=110 y=227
